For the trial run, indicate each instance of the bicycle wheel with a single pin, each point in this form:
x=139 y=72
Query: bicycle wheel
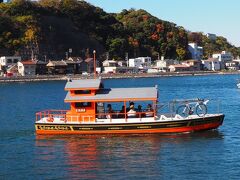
x=183 y=111
x=201 y=110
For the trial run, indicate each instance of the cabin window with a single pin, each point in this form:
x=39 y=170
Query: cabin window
x=83 y=104
x=82 y=92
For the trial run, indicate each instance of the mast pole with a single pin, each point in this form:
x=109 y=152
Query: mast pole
x=94 y=63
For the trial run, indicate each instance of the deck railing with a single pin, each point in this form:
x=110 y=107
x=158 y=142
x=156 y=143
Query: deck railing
x=50 y=114
x=171 y=108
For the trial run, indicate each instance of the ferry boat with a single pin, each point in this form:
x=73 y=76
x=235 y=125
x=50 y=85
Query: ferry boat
x=96 y=110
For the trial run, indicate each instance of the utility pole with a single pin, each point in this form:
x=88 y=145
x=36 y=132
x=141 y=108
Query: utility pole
x=126 y=58
x=70 y=52
x=107 y=56
x=66 y=55
x=94 y=63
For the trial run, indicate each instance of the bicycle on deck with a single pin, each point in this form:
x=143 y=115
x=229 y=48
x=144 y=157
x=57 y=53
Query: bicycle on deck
x=189 y=107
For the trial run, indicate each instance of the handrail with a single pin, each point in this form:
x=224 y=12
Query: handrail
x=186 y=100
x=118 y=115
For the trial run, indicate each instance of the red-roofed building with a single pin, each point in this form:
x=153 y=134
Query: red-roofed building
x=27 y=68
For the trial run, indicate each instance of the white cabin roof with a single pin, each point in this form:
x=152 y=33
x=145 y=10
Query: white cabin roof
x=117 y=95
x=83 y=84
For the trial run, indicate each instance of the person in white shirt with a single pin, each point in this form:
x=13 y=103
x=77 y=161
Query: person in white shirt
x=131 y=112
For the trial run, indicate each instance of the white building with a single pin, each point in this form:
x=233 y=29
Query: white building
x=27 y=67
x=9 y=60
x=109 y=66
x=223 y=56
x=140 y=62
x=212 y=37
x=163 y=64
x=196 y=51
x=212 y=64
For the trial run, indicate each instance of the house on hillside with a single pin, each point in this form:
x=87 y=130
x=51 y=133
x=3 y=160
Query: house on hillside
x=196 y=51
x=27 y=68
x=57 y=67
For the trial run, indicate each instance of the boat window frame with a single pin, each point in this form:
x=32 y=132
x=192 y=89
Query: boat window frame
x=82 y=92
x=82 y=104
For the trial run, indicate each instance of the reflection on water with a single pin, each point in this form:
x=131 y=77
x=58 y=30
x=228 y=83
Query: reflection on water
x=92 y=157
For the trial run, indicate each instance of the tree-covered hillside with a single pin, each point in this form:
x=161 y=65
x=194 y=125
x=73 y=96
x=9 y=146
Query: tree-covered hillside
x=49 y=28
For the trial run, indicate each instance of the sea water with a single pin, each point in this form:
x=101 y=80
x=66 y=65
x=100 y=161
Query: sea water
x=211 y=154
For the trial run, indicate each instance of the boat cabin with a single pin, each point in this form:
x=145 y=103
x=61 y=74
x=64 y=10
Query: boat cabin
x=90 y=102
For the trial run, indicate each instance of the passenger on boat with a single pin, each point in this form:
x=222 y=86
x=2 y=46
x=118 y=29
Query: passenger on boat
x=139 y=110
x=121 y=115
x=149 y=112
x=130 y=104
x=110 y=111
x=131 y=112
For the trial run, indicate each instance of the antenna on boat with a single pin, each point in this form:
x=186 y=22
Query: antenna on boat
x=94 y=63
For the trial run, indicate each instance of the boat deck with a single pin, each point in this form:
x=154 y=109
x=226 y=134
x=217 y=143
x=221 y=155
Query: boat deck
x=161 y=118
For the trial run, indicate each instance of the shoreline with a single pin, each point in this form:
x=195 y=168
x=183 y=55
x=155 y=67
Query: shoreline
x=37 y=78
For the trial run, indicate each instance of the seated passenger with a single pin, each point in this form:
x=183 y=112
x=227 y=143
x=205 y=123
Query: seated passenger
x=131 y=112
x=110 y=111
x=121 y=115
x=149 y=112
x=140 y=112
x=130 y=104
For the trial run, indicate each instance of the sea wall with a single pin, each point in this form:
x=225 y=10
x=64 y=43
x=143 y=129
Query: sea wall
x=105 y=76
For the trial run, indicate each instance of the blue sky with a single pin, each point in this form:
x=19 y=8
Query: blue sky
x=220 y=17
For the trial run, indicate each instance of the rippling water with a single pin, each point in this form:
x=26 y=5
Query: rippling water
x=203 y=155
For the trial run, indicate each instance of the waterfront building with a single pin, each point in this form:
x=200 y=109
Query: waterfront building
x=109 y=66
x=163 y=64
x=73 y=66
x=122 y=63
x=232 y=65
x=179 y=68
x=57 y=67
x=140 y=62
x=223 y=56
x=12 y=71
x=88 y=65
x=195 y=65
x=9 y=60
x=27 y=68
x=211 y=64
x=41 y=67
x=196 y=51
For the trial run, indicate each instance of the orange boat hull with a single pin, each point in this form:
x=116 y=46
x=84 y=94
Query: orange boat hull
x=189 y=125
